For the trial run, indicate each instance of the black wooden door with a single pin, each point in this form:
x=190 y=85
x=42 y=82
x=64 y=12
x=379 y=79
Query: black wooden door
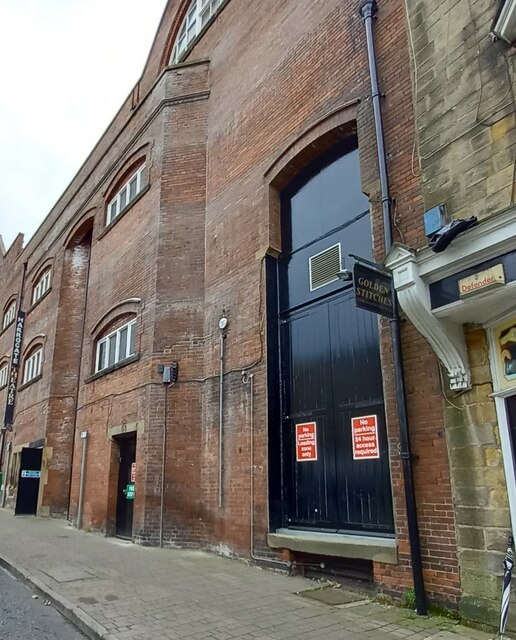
x=28 y=482
x=125 y=495
x=363 y=486
x=310 y=485
x=332 y=374
x=329 y=361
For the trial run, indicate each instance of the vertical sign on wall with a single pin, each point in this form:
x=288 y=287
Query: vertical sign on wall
x=306 y=442
x=15 y=367
x=364 y=432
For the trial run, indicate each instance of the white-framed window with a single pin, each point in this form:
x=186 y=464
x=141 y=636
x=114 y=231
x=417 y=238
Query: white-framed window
x=116 y=346
x=4 y=372
x=42 y=286
x=32 y=367
x=126 y=194
x=9 y=315
x=198 y=15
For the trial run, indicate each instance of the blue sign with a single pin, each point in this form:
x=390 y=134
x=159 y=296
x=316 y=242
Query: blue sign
x=30 y=473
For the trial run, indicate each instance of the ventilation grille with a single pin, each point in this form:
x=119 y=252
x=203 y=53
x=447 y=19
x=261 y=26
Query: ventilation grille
x=324 y=267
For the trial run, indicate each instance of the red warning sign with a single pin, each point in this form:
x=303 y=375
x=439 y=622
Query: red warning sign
x=306 y=442
x=364 y=431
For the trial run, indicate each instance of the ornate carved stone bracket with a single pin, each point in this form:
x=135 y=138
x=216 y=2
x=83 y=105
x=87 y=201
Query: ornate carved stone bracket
x=445 y=337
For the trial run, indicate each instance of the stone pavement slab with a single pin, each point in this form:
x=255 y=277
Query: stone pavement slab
x=119 y=591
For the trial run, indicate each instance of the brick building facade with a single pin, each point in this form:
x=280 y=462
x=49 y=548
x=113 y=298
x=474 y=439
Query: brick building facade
x=184 y=214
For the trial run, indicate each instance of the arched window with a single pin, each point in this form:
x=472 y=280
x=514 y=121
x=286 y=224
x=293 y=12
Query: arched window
x=196 y=18
x=32 y=364
x=42 y=285
x=4 y=374
x=124 y=195
x=116 y=346
x=9 y=314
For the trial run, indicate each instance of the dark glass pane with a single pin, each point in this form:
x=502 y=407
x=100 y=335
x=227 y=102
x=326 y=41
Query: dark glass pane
x=132 y=339
x=123 y=344
x=123 y=199
x=101 y=355
x=132 y=188
x=112 y=347
x=327 y=195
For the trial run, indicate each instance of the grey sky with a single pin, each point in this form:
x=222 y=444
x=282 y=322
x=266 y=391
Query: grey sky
x=66 y=67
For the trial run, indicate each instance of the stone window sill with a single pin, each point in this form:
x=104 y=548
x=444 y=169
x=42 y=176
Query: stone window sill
x=113 y=367
x=35 y=304
x=27 y=384
x=8 y=326
x=122 y=213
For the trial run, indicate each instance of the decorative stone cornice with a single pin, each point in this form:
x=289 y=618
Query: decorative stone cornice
x=414 y=271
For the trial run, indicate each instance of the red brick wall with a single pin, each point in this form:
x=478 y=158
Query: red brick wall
x=192 y=249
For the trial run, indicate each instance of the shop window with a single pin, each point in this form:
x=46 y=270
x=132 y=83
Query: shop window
x=42 y=286
x=32 y=367
x=9 y=315
x=117 y=346
x=197 y=17
x=126 y=194
x=4 y=373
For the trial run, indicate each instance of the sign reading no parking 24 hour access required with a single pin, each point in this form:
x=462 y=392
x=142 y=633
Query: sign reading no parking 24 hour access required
x=364 y=437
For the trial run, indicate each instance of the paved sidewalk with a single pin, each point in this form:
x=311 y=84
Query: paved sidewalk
x=118 y=591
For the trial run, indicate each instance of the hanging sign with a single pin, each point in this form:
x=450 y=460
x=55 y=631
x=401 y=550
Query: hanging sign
x=306 y=442
x=373 y=290
x=364 y=433
x=129 y=491
x=13 y=375
x=493 y=277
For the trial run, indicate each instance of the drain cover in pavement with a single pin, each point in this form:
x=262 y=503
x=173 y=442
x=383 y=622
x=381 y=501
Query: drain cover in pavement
x=333 y=596
x=68 y=574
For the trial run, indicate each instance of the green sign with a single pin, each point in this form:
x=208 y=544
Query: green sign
x=129 y=491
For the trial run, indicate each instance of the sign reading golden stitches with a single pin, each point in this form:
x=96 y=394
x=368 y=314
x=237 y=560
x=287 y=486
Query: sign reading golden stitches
x=373 y=290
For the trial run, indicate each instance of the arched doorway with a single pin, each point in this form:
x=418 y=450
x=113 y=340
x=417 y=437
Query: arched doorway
x=329 y=358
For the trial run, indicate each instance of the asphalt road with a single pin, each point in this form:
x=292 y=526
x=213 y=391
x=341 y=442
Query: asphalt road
x=24 y=618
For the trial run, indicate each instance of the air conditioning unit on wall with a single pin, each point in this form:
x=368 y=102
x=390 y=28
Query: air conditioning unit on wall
x=505 y=24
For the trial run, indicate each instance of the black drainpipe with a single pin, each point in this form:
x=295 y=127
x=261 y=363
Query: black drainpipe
x=367 y=11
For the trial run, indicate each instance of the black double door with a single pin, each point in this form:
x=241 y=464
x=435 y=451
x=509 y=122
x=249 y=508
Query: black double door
x=330 y=369
x=126 y=486
x=331 y=372
x=28 y=482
